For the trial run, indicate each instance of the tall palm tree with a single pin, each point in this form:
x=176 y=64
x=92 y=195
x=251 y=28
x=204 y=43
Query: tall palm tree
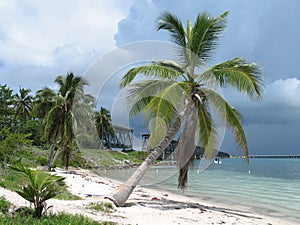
x=23 y=104
x=181 y=96
x=103 y=125
x=59 y=121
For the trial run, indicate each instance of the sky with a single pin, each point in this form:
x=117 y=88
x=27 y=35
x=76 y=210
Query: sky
x=42 y=39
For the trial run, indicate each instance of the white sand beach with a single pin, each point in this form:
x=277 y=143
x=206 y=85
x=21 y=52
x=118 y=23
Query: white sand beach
x=145 y=206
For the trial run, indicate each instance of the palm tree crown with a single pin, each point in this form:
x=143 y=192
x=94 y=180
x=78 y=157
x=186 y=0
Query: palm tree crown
x=23 y=103
x=103 y=125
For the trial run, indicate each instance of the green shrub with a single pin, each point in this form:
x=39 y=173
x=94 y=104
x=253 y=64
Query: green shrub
x=11 y=146
x=43 y=161
x=2 y=184
x=4 y=205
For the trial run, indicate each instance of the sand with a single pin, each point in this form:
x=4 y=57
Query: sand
x=145 y=206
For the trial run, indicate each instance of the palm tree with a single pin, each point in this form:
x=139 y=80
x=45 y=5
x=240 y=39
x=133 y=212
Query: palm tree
x=44 y=101
x=23 y=104
x=181 y=96
x=103 y=125
x=59 y=121
x=84 y=114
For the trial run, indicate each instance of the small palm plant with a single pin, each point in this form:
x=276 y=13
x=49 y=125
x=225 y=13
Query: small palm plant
x=41 y=187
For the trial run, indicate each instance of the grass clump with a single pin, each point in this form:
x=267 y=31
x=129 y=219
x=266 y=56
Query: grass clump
x=106 y=207
x=20 y=219
x=4 y=205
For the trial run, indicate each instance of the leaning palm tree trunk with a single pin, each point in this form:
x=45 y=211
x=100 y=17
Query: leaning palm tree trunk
x=121 y=194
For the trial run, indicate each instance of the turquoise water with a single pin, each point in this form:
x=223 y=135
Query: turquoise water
x=268 y=186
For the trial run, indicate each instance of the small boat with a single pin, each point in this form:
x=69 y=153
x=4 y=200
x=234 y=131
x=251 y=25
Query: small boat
x=217 y=161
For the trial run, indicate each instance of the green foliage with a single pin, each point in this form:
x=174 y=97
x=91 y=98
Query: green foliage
x=23 y=106
x=104 y=126
x=108 y=158
x=41 y=187
x=11 y=180
x=23 y=218
x=106 y=207
x=6 y=106
x=41 y=160
x=34 y=127
x=64 y=194
x=4 y=205
x=12 y=146
x=137 y=156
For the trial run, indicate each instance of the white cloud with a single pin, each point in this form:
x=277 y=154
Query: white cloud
x=283 y=93
x=31 y=31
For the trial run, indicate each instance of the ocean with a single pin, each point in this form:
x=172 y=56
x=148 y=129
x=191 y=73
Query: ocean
x=267 y=186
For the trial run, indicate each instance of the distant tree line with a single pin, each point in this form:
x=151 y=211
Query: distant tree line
x=47 y=118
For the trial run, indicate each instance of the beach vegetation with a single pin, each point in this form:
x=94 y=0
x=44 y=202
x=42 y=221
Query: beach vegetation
x=4 y=205
x=106 y=207
x=40 y=187
x=39 y=129
x=111 y=158
x=181 y=95
x=13 y=180
x=23 y=102
x=7 y=107
x=22 y=216
x=12 y=146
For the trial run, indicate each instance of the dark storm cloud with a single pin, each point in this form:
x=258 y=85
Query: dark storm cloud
x=266 y=32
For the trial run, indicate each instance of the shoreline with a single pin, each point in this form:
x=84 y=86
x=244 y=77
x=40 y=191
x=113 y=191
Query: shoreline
x=145 y=206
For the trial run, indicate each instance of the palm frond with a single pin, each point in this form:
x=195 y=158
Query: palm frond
x=232 y=118
x=158 y=130
x=152 y=70
x=239 y=74
x=167 y=103
x=207 y=131
x=172 y=23
x=171 y=64
x=206 y=33
x=46 y=93
x=139 y=94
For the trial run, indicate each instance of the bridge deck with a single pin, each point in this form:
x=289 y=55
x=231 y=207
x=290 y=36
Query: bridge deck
x=276 y=156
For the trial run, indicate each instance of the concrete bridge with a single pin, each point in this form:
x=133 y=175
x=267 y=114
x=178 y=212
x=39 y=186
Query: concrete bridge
x=170 y=153
x=123 y=138
x=276 y=156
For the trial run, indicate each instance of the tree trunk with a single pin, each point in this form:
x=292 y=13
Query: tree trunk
x=121 y=194
x=51 y=155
